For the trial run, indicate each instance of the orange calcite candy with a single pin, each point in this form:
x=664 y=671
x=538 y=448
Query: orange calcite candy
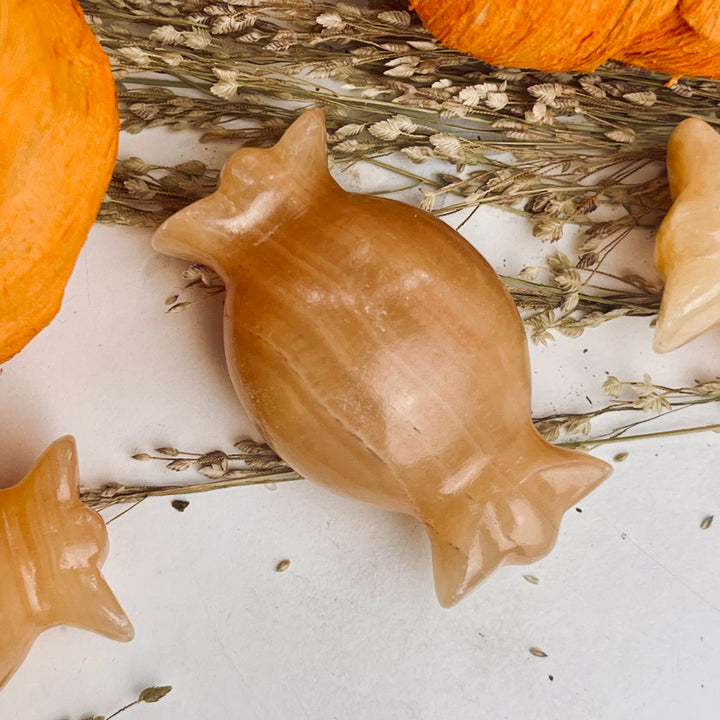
x=381 y=356
x=687 y=248
x=51 y=549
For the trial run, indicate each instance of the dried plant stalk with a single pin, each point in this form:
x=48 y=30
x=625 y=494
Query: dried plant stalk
x=252 y=464
x=252 y=66
x=111 y=494
x=564 y=149
x=256 y=464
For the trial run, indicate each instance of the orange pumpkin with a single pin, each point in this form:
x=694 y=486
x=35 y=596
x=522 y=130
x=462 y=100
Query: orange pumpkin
x=685 y=42
x=59 y=128
x=679 y=38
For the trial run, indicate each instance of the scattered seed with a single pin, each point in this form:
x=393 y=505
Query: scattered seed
x=707 y=522
x=282 y=566
x=620 y=457
x=537 y=652
x=155 y=693
x=532 y=579
x=180 y=505
x=179 y=307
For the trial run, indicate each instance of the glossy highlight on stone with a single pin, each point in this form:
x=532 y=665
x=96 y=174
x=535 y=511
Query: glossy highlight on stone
x=51 y=549
x=687 y=247
x=380 y=355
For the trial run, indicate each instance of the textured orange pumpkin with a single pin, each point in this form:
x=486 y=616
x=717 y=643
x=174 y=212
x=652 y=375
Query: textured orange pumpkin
x=685 y=42
x=381 y=356
x=679 y=38
x=59 y=131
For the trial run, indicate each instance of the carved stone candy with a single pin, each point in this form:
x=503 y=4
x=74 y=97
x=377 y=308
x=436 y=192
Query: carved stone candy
x=381 y=356
x=687 y=248
x=51 y=549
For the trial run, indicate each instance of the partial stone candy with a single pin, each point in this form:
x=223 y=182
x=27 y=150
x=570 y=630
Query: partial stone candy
x=52 y=547
x=687 y=247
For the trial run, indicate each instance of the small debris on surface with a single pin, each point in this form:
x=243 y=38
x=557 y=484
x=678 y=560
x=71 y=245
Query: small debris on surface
x=620 y=457
x=282 y=566
x=532 y=579
x=707 y=522
x=537 y=652
x=551 y=678
x=167 y=451
x=180 y=505
x=578 y=510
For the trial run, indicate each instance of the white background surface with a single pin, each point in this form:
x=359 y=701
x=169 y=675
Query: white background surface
x=628 y=603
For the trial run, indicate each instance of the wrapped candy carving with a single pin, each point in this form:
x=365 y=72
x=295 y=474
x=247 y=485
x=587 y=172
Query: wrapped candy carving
x=687 y=247
x=51 y=550
x=381 y=356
